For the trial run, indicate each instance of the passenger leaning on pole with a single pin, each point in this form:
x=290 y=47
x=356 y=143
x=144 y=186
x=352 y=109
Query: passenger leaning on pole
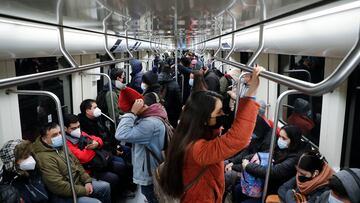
x=197 y=151
x=142 y=126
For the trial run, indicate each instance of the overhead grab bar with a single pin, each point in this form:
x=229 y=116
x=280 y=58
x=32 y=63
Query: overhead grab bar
x=25 y=79
x=60 y=32
x=111 y=94
x=273 y=137
x=106 y=37
x=61 y=124
x=220 y=32
x=261 y=35
x=308 y=74
x=127 y=40
x=233 y=34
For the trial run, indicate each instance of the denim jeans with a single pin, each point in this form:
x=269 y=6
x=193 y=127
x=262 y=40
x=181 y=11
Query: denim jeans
x=148 y=192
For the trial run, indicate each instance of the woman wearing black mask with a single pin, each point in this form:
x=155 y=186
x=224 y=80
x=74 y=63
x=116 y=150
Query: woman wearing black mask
x=311 y=180
x=194 y=168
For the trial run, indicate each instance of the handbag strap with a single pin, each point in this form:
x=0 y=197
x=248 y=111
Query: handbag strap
x=196 y=179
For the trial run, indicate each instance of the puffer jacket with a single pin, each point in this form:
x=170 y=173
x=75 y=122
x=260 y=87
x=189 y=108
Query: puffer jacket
x=142 y=132
x=52 y=164
x=211 y=154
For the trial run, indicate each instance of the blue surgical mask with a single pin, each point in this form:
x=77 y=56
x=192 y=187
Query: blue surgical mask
x=57 y=141
x=332 y=199
x=143 y=86
x=282 y=144
x=191 y=82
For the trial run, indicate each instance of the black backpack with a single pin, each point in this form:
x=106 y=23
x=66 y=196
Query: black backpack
x=101 y=101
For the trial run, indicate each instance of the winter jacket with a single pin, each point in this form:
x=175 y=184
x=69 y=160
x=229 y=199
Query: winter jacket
x=97 y=128
x=324 y=197
x=185 y=72
x=31 y=188
x=170 y=92
x=114 y=100
x=303 y=122
x=286 y=195
x=136 y=75
x=142 y=132
x=212 y=153
x=86 y=155
x=212 y=81
x=52 y=164
x=279 y=174
x=153 y=88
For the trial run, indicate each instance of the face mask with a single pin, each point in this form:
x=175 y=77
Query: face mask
x=57 y=141
x=143 y=86
x=282 y=144
x=97 y=112
x=76 y=133
x=191 y=82
x=220 y=120
x=28 y=164
x=304 y=179
x=332 y=199
x=119 y=84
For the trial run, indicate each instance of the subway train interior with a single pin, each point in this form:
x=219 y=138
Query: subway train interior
x=54 y=54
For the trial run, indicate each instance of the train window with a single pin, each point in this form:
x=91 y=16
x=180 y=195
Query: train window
x=351 y=137
x=37 y=110
x=308 y=69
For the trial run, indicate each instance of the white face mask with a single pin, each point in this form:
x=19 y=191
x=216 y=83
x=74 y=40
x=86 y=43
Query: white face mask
x=191 y=82
x=28 y=164
x=76 y=133
x=119 y=84
x=143 y=86
x=282 y=144
x=97 y=112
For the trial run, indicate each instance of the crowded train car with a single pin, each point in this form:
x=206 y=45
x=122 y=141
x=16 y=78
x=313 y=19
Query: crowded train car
x=179 y=101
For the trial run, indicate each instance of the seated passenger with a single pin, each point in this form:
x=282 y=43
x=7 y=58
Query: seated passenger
x=21 y=172
x=142 y=127
x=285 y=158
x=345 y=187
x=301 y=116
x=50 y=156
x=311 y=180
x=150 y=83
x=87 y=148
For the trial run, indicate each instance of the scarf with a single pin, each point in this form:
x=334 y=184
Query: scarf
x=155 y=110
x=321 y=180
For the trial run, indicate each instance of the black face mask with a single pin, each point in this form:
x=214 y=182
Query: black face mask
x=304 y=178
x=220 y=121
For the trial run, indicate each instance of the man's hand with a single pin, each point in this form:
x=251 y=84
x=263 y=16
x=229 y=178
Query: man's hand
x=137 y=106
x=93 y=145
x=89 y=189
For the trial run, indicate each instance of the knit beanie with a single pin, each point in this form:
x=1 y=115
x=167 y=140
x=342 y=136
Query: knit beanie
x=127 y=98
x=150 y=78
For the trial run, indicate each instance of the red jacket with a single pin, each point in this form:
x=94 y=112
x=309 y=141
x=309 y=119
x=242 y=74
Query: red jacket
x=303 y=122
x=211 y=154
x=84 y=155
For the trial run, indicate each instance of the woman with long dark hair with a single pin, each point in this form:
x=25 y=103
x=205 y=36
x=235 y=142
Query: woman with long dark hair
x=196 y=153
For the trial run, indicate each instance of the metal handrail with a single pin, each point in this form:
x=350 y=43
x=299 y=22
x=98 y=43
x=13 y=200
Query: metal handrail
x=300 y=71
x=233 y=35
x=273 y=138
x=220 y=29
x=127 y=40
x=111 y=92
x=61 y=124
x=238 y=89
x=25 y=79
x=261 y=35
x=106 y=37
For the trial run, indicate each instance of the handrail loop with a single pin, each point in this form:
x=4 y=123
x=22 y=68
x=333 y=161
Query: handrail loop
x=238 y=88
x=61 y=125
x=273 y=138
x=111 y=94
x=261 y=35
x=233 y=34
x=106 y=37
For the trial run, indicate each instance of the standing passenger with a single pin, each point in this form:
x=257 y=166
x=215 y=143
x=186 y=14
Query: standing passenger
x=196 y=152
x=136 y=74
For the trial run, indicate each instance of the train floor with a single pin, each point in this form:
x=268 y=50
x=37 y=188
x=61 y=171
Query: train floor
x=139 y=198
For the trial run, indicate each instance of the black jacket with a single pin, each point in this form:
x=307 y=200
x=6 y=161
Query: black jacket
x=281 y=171
x=212 y=81
x=170 y=92
x=154 y=88
x=185 y=72
x=31 y=188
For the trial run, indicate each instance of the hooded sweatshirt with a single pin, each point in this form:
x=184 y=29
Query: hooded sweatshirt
x=52 y=164
x=136 y=75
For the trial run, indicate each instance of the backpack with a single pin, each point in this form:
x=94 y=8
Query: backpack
x=250 y=185
x=101 y=101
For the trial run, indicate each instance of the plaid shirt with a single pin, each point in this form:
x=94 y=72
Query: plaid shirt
x=7 y=154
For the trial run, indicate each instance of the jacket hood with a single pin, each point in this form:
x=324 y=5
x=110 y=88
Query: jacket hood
x=349 y=178
x=136 y=66
x=40 y=146
x=155 y=110
x=7 y=154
